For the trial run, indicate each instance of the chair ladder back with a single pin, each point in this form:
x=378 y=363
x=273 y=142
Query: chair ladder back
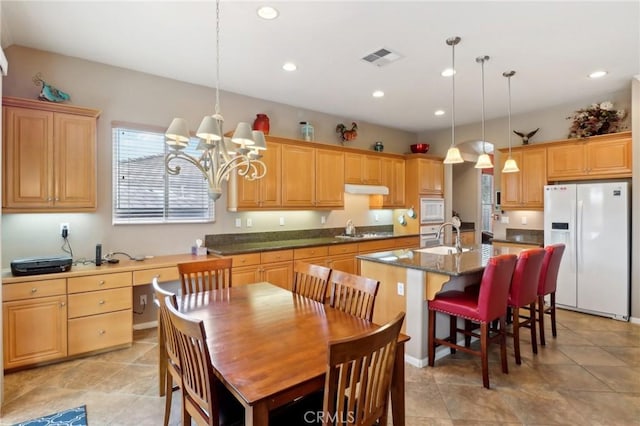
x=353 y=294
x=359 y=373
x=311 y=280
x=210 y=274
x=200 y=399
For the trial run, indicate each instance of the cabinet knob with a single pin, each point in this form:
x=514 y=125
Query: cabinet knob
x=49 y=199
x=101 y=282
x=101 y=302
x=102 y=332
x=33 y=290
x=63 y=304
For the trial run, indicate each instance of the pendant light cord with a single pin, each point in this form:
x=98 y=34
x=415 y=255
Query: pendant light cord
x=453 y=94
x=509 y=74
x=217 y=106
x=482 y=59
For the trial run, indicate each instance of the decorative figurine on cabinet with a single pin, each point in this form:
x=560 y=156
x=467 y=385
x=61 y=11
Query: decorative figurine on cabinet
x=347 y=135
x=525 y=138
x=48 y=92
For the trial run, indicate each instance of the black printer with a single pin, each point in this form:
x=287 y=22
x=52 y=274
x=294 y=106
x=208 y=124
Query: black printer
x=40 y=265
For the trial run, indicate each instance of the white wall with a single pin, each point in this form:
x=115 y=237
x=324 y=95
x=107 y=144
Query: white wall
x=125 y=95
x=635 y=204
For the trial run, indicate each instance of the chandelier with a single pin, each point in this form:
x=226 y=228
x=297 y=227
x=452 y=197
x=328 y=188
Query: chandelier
x=219 y=155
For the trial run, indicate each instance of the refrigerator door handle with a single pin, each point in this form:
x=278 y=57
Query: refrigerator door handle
x=579 y=234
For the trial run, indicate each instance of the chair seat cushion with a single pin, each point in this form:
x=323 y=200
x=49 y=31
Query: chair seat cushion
x=458 y=303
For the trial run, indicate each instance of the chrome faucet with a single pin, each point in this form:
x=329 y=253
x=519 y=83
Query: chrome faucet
x=350 y=229
x=455 y=224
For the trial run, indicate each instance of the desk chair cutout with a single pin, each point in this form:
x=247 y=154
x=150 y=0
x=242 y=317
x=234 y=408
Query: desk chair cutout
x=488 y=305
x=311 y=281
x=204 y=275
x=353 y=294
x=169 y=358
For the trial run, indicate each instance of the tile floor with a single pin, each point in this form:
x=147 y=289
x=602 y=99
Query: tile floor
x=589 y=375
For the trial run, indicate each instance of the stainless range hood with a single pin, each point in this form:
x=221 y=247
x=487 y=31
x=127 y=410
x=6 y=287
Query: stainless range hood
x=366 y=189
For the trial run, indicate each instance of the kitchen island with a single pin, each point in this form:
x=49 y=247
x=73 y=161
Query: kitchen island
x=410 y=278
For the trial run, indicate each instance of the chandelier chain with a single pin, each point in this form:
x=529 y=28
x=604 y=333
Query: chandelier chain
x=217 y=106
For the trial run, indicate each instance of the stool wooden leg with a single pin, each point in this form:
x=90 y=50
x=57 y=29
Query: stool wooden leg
x=532 y=325
x=484 y=343
x=431 y=336
x=516 y=334
x=453 y=331
x=553 y=314
x=541 y=318
x=503 y=345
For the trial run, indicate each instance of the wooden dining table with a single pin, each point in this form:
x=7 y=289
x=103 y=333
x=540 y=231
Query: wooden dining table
x=269 y=346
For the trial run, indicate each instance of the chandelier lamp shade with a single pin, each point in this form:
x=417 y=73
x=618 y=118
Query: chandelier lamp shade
x=219 y=156
x=510 y=166
x=453 y=153
x=484 y=161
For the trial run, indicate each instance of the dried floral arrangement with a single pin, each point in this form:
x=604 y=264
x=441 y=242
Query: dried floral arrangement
x=596 y=119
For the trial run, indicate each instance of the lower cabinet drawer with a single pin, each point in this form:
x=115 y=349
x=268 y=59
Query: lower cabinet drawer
x=145 y=276
x=99 y=331
x=99 y=302
x=34 y=289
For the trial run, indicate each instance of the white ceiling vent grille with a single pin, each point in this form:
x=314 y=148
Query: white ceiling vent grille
x=382 y=57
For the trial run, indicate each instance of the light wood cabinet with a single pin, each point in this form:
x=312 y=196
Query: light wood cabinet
x=524 y=190
x=49 y=157
x=597 y=157
x=467 y=238
x=34 y=322
x=424 y=176
x=393 y=177
x=265 y=192
x=363 y=169
x=298 y=176
x=95 y=332
x=275 y=267
x=329 y=182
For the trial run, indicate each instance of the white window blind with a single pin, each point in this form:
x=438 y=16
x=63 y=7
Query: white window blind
x=143 y=192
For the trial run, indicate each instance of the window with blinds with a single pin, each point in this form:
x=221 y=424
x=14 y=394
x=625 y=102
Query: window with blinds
x=143 y=192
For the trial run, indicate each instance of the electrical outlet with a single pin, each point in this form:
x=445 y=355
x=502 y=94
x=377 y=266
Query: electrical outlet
x=376 y=217
x=64 y=226
x=249 y=223
x=323 y=220
x=400 y=289
x=143 y=300
x=238 y=222
x=504 y=219
x=524 y=220
x=282 y=221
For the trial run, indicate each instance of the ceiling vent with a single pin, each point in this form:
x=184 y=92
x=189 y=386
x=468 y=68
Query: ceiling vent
x=382 y=57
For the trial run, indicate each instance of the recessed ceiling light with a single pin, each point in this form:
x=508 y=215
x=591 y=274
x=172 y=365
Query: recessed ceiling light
x=439 y=112
x=378 y=94
x=289 y=66
x=448 y=72
x=597 y=74
x=267 y=12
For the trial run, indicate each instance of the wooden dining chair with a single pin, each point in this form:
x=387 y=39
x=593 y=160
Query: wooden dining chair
x=488 y=305
x=357 y=382
x=353 y=294
x=204 y=397
x=169 y=358
x=311 y=280
x=204 y=275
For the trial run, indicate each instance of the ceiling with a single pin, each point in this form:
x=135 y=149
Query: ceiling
x=552 y=46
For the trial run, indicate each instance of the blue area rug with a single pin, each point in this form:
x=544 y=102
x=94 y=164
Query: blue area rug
x=72 y=417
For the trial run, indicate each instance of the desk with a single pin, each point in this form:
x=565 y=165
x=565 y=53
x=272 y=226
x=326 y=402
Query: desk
x=269 y=346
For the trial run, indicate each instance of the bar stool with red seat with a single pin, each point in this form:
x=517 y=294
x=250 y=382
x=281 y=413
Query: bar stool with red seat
x=547 y=285
x=523 y=293
x=488 y=305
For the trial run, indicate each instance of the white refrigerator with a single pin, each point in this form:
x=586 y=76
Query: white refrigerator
x=592 y=220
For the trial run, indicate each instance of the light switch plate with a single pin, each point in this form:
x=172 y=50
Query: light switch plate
x=282 y=221
x=504 y=219
x=249 y=223
x=524 y=220
x=238 y=223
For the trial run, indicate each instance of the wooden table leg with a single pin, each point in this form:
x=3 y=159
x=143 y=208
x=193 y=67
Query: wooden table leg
x=397 y=387
x=257 y=415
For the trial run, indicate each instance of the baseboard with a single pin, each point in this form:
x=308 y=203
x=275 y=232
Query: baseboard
x=441 y=352
x=634 y=320
x=145 y=325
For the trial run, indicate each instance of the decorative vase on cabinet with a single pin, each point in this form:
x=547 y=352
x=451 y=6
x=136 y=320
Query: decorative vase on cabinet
x=261 y=123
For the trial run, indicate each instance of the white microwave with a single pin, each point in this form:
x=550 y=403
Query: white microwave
x=431 y=210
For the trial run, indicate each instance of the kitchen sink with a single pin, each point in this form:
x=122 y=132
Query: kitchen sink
x=440 y=250
x=365 y=235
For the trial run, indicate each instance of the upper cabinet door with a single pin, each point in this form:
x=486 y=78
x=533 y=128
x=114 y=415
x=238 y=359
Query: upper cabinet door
x=298 y=176
x=27 y=148
x=265 y=192
x=329 y=178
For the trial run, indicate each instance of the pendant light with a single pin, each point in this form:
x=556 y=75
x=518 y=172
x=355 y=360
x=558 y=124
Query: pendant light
x=484 y=161
x=453 y=154
x=510 y=166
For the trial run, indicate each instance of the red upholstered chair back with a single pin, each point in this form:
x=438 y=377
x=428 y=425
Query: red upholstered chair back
x=550 y=267
x=494 y=287
x=526 y=277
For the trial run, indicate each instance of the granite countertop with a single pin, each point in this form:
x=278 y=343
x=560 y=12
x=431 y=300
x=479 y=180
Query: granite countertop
x=470 y=262
x=245 y=247
x=533 y=237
